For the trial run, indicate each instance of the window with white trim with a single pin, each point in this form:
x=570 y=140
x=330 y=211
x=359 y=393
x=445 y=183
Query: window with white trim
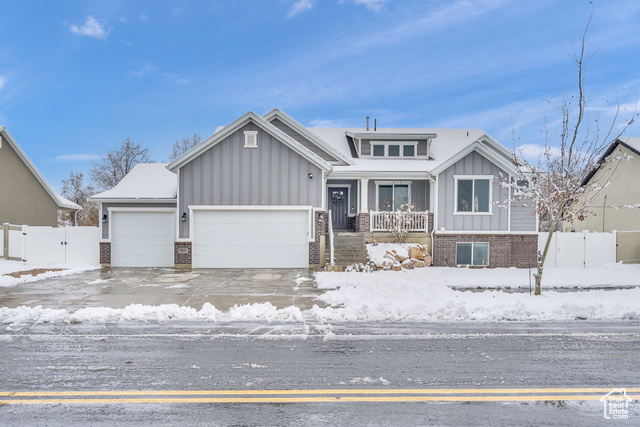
x=473 y=194
x=394 y=149
x=393 y=196
x=472 y=253
x=250 y=138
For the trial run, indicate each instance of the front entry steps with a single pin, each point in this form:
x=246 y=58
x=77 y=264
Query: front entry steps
x=349 y=249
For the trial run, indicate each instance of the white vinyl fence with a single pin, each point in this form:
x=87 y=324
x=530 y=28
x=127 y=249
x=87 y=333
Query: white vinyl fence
x=50 y=245
x=579 y=250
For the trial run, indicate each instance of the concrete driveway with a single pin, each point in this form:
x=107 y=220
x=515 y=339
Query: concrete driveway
x=119 y=287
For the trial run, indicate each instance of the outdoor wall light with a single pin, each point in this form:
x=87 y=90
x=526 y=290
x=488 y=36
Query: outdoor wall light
x=321 y=218
x=310 y=175
x=183 y=218
x=104 y=218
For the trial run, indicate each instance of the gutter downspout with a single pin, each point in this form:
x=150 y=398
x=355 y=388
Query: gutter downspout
x=434 y=195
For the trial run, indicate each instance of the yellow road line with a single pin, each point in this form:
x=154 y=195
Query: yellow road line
x=307 y=392
x=309 y=399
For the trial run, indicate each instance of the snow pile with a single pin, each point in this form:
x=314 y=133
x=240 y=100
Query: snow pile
x=8 y=267
x=377 y=252
x=609 y=275
x=161 y=313
x=406 y=301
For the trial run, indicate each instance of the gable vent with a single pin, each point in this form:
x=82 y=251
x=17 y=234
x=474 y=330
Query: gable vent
x=251 y=139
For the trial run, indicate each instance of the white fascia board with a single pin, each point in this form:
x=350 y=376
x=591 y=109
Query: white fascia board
x=380 y=175
x=295 y=145
x=484 y=151
x=237 y=124
x=293 y=124
x=141 y=201
x=495 y=232
x=392 y=136
x=12 y=142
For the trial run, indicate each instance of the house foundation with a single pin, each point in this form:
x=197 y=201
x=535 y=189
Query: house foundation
x=505 y=250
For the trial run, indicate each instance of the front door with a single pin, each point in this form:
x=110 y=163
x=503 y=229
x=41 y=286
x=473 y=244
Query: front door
x=339 y=207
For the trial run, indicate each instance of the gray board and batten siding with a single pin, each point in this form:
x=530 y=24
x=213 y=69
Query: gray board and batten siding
x=304 y=141
x=523 y=215
x=228 y=174
x=420 y=193
x=106 y=206
x=472 y=164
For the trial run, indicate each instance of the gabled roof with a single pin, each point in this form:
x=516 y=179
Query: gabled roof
x=293 y=124
x=632 y=144
x=447 y=147
x=146 y=182
x=249 y=117
x=60 y=201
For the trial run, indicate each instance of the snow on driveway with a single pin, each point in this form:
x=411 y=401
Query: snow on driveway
x=8 y=267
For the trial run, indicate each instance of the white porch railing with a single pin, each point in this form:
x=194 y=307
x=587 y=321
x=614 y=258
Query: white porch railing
x=332 y=260
x=411 y=221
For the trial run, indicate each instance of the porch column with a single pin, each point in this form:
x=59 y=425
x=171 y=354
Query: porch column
x=364 y=195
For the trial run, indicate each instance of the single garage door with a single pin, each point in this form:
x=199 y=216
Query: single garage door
x=142 y=239
x=250 y=239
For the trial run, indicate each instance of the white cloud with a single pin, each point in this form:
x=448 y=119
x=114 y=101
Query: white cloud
x=373 y=5
x=3 y=81
x=92 y=28
x=145 y=69
x=321 y=123
x=533 y=152
x=143 y=18
x=78 y=157
x=300 y=6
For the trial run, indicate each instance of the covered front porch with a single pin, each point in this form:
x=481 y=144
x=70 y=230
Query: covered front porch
x=376 y=204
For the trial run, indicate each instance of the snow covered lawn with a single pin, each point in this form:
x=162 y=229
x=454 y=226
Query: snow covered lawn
x=8 y=267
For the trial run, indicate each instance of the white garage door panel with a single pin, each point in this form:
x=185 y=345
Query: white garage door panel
x=251 y=239
x=142 y=239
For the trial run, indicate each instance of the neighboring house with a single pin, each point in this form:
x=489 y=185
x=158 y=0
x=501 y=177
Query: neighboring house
x=260 y=191
x=613 y=188
x=25 y=196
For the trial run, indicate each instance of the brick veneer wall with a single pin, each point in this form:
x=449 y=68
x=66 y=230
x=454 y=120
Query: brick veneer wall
x=321 y=229
x=362 y=222
x=182 y=259
x=105 y=252
x=505 y=250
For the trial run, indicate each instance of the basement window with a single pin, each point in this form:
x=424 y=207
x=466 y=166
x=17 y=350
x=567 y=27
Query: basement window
x=472 y=253
x=250 y=139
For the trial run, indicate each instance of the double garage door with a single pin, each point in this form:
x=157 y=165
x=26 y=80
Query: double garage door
x=221 y=239
x=250 y=239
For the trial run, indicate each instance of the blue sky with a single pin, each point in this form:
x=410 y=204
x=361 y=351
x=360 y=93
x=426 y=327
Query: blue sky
x=77 y=77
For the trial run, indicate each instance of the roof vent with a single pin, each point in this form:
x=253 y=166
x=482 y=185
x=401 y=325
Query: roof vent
x=367 y=123
x=467 y=133
x=375 y=124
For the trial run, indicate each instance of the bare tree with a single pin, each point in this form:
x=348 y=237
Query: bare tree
x=554 y=181
x=75 y=190
x=181 y=146
x=117 y=163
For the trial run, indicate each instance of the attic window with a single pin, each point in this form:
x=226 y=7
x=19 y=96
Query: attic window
x=400 y=149
x=250 y=139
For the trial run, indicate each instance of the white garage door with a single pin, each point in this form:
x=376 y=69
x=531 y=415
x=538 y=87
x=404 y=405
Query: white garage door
x=250 y=239
x=142 y=239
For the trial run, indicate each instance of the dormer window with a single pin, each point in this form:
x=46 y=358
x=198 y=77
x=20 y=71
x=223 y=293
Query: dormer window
x=250 y=139
x=394 y=149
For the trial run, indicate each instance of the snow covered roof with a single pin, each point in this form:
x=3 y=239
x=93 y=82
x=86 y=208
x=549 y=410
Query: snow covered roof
x=445 y=146
x=60 y=201
x=145 y=182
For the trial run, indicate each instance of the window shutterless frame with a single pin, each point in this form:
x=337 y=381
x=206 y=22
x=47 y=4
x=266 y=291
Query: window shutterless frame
x=394 y=149
x=473 y=188
x=472 y=253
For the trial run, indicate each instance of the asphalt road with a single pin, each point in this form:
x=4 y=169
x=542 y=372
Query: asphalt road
x=387 y=374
